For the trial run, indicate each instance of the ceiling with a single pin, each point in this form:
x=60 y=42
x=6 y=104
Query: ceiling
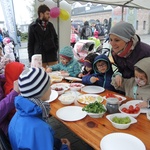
x=143 y=4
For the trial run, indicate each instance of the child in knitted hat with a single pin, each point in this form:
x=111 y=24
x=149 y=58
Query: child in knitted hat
x=30 y=120
x=68 y=63
x=88 y=65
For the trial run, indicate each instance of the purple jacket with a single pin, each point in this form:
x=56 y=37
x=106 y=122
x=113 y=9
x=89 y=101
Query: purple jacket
x=126 y=65
x=6 y=105
x=2 y=79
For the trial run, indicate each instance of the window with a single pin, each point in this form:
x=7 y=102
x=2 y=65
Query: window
x=144 y=25
x=137 y=24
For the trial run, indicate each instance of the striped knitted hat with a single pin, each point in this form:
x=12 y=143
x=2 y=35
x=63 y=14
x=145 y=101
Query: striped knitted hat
x=33 y=82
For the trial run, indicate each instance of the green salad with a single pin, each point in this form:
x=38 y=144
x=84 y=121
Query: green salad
x=95 y=107
x=121 y=120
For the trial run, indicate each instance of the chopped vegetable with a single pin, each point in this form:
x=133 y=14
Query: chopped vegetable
x=95 y=107
x=123 y=120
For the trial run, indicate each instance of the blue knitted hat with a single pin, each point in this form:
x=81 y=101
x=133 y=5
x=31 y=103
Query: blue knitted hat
x=33 y=82
x=67 y=52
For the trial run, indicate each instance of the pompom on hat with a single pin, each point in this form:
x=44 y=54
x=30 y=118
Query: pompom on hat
x=123 y=30
x=33 y=82
x=66 y=52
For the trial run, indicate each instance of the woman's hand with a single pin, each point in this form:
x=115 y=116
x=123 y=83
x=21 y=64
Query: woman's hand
x=118 y=80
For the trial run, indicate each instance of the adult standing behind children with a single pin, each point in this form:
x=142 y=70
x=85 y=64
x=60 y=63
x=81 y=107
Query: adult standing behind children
x=42 y=38
x=28 y=128
x=86 y=31
x=127 y=48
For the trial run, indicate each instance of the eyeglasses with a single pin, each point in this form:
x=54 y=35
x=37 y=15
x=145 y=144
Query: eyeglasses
x=101 y=65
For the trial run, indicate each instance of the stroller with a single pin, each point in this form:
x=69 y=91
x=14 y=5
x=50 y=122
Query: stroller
x=82 y=48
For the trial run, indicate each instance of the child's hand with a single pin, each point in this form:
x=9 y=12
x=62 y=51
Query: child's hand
x=93 y=79
x=80 y=75
x=63 y=71
x=66 y=141
x=143 y=104
x=16 y=87
x=48 y=70
x=118 y=80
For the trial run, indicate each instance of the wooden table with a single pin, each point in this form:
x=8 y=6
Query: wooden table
x=102 y=127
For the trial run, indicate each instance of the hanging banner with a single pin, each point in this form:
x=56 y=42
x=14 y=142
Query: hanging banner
x=9 y=16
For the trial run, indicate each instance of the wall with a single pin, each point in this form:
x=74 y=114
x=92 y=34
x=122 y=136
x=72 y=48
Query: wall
x=142 y=15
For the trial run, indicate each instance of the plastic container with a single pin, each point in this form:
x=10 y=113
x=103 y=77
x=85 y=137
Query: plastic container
x=112 y=105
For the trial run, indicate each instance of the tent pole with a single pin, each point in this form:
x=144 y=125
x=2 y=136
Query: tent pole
x=122 y=13
x=58 y=5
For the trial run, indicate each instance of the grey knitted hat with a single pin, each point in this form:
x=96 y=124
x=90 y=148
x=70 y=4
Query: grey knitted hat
x=33 y=82
x=123 y=30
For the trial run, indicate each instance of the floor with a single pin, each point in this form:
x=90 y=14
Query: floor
x=63 y=132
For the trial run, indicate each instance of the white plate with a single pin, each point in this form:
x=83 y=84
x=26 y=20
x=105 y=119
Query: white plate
x=119 y=96
x=53 y=96
x=134 y=102
x=71 y=113
x=73 y=79
x=121 y=141
x=93 y=89
x=65 y=86
x=89 y=98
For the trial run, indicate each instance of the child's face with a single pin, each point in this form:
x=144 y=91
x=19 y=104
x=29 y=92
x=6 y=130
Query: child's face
x=140 y=78
x=101 y=66
x=88 y=69
x=63 y=60
x=46 y=95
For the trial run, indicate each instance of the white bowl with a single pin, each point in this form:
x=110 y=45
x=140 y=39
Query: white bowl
x=127 y=106
x=67 y=99
x=148 y=115
x=76 y=86
x=59 y=90
x=55 y=78
x=121 y=115
x=96 y=115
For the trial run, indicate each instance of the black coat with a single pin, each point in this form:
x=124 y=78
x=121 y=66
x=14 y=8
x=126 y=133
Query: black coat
x=43 y=42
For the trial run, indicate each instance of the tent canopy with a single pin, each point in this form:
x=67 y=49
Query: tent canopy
x=143 y=4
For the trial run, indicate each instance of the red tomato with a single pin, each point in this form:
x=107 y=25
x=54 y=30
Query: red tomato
x=131 y=107
x=137 y=108
x=119 y=98
x=124 y=109
x=127 y=111
x=110 y=95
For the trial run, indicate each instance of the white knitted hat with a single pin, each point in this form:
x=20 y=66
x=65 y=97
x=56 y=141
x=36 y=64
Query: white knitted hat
x=33 y=82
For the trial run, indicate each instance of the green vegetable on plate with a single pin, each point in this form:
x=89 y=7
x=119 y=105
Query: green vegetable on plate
x=95 y=107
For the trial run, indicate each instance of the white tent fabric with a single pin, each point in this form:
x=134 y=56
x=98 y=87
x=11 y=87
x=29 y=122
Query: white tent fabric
x=143 y=4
